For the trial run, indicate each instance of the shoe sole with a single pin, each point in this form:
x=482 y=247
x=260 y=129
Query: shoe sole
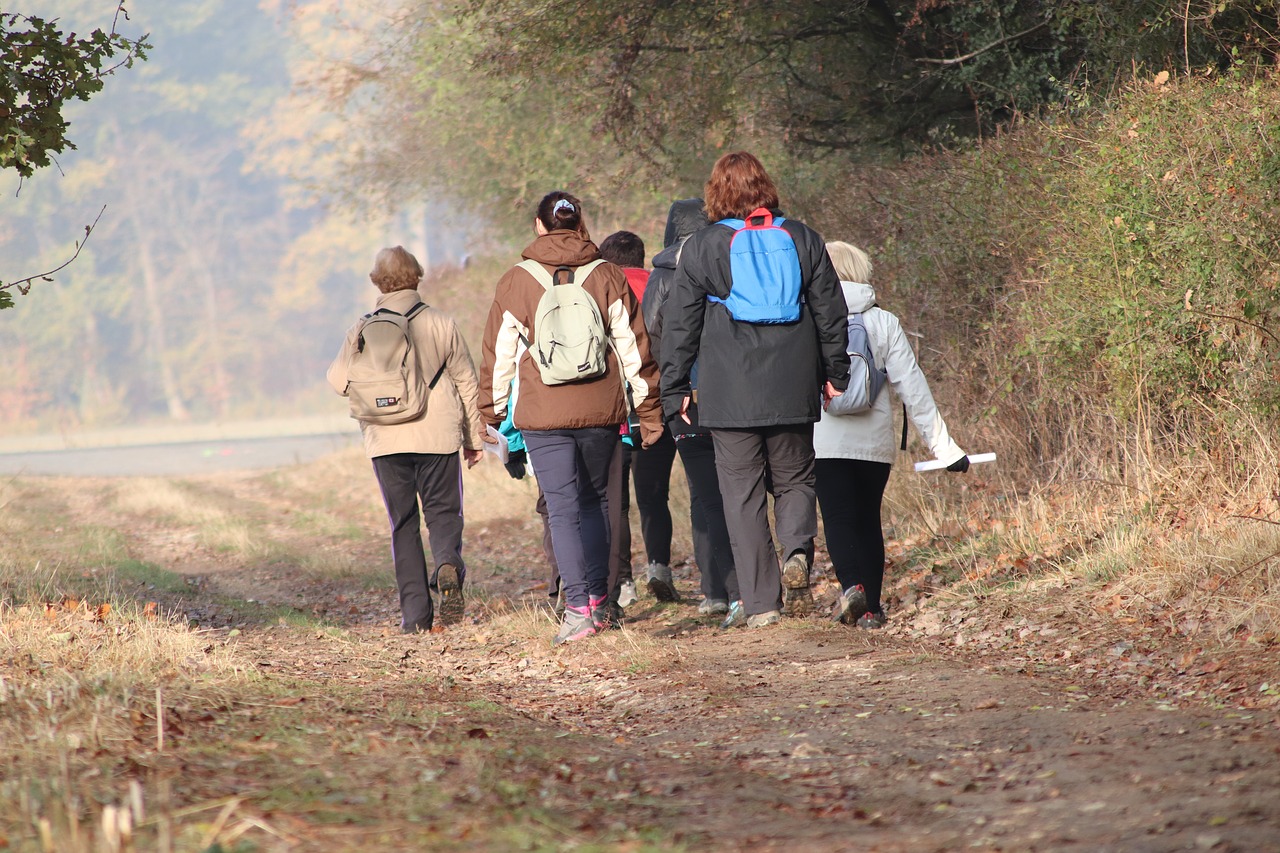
x=662 y=590
x=795 y=575
x=452 y=603
x=558 y=640
x=797 y=601
x=851 y=614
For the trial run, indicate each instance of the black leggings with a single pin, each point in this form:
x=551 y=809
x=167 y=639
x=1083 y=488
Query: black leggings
x=651 y=473
x=849 y=495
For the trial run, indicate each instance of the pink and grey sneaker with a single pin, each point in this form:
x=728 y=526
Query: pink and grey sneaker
x=605 y=613
x=576 y=624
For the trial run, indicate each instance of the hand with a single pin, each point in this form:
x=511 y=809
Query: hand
x=515 y=464
x=960 y=465
x=650 y=433
x=684 y=411
x=829 y=393
x=488 y=439
x=472 y=456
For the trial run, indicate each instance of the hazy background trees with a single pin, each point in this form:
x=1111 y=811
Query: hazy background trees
x=253 y=165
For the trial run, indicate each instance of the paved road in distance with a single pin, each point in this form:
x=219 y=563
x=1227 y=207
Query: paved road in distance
x=176 y=459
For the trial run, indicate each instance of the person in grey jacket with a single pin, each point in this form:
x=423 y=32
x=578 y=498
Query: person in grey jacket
x=855 y=452
x=418 y=460
x=760 y=385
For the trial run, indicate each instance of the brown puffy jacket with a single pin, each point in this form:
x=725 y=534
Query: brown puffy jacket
x=593 y=402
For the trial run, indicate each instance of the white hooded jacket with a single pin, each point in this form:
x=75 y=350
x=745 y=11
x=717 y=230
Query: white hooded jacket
x=870 y=436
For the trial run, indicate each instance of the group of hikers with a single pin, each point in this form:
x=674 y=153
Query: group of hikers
x=736 y=353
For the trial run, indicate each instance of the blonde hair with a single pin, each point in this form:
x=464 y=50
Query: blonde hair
x=851 y=263
x=395 y=269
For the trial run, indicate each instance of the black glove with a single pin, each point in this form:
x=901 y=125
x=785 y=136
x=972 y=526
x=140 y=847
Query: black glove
x=515 y=464
x=960 y=465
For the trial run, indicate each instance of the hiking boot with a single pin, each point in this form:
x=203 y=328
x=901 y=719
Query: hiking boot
x=737 y=615
x=760 y=620
x=607 y=615
x=452 y=604
x=797 y=599
x=713 y=606
x=661 y=586
x=626 y=593
x=873 y=620
x=576 y=625
x=851 y=605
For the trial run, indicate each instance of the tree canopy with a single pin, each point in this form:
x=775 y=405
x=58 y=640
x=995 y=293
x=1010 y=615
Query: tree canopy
x=484 y=96
x=44 y=68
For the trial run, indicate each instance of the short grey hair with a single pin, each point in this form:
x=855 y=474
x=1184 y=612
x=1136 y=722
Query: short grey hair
x=395 y=269
x=851 y=263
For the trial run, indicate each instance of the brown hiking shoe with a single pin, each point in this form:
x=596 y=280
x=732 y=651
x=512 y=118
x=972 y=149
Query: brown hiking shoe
x=452 y=604
x=797 y=599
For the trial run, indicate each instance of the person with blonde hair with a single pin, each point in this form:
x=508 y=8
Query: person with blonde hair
x=416 y=461
x=761 y=377
x=855 y=452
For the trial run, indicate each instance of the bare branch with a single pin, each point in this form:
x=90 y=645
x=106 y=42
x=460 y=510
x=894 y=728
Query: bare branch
x=31 y=279
x=959 y=59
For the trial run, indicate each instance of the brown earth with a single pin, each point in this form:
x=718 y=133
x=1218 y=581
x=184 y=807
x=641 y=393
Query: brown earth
x=959 y=726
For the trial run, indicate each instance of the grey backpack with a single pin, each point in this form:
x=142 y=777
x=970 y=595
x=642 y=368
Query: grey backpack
x=569 y=335
x=865 y=379
x=385 y=384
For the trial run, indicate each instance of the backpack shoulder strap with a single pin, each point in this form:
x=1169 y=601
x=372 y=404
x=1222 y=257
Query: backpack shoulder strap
x=538 y=271
x=735 y=224
x=415 y=311
x=581 y=273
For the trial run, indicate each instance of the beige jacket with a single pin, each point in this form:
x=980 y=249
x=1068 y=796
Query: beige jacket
x=452 y=419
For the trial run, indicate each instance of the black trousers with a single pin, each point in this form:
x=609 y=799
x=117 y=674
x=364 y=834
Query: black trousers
x=435 y=479
x=651 y=473
x=746 y=459
x=850 y=492
x=711 y=546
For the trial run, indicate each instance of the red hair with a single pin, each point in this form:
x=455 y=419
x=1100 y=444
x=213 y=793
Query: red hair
x=738 y=185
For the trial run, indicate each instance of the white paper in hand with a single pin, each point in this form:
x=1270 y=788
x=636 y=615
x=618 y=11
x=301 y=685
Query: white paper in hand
x=935 y=465
x=501 y=448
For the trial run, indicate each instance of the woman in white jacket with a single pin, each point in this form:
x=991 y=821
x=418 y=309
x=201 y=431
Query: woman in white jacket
x=855 y=452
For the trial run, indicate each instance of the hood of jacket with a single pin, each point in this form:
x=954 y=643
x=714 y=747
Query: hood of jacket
x=562 y=249
x=685 y=217
x=667 y=258
x=858 y=296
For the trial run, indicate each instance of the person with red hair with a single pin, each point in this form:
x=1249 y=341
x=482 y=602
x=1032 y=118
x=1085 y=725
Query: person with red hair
x=761 y=380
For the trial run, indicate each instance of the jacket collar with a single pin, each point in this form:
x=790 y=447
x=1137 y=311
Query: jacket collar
x=858 y=296
x=562 y=249
x=399 y=301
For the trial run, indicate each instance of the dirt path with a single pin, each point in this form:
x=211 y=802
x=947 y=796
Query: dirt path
x=936 y=734
x=810 y=736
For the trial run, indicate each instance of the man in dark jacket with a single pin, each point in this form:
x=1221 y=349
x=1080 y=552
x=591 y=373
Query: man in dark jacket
x=760 y=386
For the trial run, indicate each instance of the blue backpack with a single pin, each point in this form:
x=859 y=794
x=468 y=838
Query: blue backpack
x=764 y=271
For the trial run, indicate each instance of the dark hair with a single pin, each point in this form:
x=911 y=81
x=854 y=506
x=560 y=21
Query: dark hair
x=624 y=249
x=738 y=185
x=559 y=210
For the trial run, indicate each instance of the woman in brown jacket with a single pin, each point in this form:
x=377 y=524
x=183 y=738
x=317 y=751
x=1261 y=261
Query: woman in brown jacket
x=571 y=429
x=418 y=459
